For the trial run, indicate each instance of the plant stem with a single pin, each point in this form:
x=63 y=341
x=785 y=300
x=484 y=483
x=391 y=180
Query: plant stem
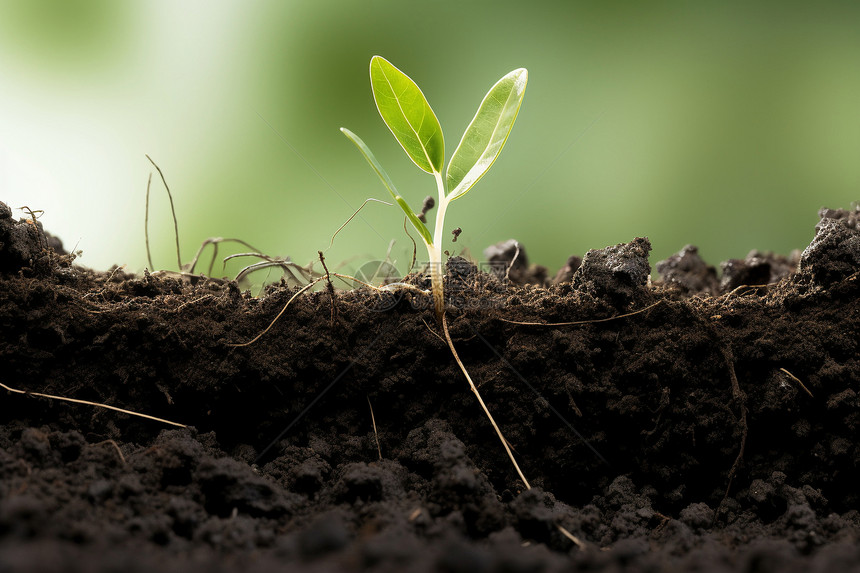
x=436 y=281
x=435 y=251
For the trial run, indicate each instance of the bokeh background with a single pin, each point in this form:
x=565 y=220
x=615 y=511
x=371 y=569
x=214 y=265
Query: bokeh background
x=722 y=124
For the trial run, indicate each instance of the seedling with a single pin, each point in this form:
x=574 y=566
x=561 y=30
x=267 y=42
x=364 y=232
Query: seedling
x=405 y=111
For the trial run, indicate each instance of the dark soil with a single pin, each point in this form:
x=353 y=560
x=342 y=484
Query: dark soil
x=715 y=430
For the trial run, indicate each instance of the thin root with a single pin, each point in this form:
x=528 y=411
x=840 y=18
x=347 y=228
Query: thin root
x=285 y=263
x=146 y=223
x=274 y=320
x=385 y=288
x=576 y=540
x=414 y=246
x=195 y=301
x=329 y=288
x=102 y=290
x=172 y=212
x=796 y=379
x=433 y=332
x=32 y=221
x=513 y=260
x=481 y=401
x=735 y=290
x=115 y=447
x=214 y=241
x=88 y=403
x=375 y=432
x=641 y=310
x=741 y=397
x=351 y=217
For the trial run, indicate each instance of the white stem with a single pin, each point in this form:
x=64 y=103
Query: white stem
x=436 y=281
x=442 y=206
x=434 y=251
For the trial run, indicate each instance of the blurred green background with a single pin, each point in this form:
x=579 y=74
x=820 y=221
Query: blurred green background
x=722 y=124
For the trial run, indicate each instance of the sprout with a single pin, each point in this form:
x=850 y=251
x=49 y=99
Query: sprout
x=405 y=111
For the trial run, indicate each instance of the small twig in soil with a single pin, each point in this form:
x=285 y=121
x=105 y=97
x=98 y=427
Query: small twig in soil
x=616 y=317
x=88 y=403
x=796 y=379
x=172 y=212
x=375 y=432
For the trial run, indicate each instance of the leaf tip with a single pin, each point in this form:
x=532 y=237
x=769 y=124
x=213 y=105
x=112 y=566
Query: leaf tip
x=522 y=74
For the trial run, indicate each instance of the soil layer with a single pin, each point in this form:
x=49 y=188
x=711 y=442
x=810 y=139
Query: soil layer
x=699 y=422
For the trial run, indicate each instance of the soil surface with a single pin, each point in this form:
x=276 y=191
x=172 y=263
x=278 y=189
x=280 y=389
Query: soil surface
x=702 y=422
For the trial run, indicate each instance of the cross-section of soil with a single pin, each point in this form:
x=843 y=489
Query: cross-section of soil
x=701 y=422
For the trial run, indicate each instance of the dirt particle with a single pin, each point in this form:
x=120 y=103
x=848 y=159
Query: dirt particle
x=508 y=260
x=834 y=253
x=756 y=269
x=687 y=271
x=565 y=273
x=619 y=273
x=228 y=484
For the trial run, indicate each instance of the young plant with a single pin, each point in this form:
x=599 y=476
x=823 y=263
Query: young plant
x=405 y=111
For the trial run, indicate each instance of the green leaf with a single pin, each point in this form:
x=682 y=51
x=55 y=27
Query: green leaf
x=386 y=180
x=416 y=222
x=408 y=115
x=486 y=135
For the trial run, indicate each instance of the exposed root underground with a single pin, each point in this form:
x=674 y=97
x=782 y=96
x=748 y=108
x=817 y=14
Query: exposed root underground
x=88 y=403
